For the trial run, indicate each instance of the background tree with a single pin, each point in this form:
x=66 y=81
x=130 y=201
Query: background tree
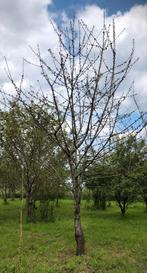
x=125 y=160
x=52 y=187
x=99 y=181
x=142 y=180
x=141 y=176
x=29 y=147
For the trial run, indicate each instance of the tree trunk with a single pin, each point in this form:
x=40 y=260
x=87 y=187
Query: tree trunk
x=123 y=207
x=5 y=195
x=30 y=207
x=145 y=200
x=123 y=211
x=57 y=202
x=79 y=235
x=103 y=201
x=96 y=201
x=122 y=202
x=12 y=193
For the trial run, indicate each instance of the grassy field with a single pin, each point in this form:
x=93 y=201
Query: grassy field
x=114 y=245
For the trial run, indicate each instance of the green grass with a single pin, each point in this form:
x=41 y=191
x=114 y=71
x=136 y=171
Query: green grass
x=113 y=244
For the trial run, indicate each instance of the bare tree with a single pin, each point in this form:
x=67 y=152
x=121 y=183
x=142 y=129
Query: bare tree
x=84 y=80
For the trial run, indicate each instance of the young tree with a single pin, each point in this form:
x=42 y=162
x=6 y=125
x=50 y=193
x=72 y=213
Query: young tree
x=126 y=159
x=141 y=177
x=83 y=82
x=28 y=147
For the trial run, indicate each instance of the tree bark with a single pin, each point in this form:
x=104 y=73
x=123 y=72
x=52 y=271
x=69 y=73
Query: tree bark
x=123 y=211
x=79 y=234
x=57 y=202
x=96 y=199
x=145 y=200
x=103 y=202
x=122 y=202
x=30 y=207
x=12 y=193
x=123 y=207
x=5 y=196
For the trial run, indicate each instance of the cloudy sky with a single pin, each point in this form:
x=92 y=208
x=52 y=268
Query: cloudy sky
x=26 y=23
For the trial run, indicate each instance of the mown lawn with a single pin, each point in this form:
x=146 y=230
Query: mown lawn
x=114 y=244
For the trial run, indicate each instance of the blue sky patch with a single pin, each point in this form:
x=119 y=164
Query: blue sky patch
x=112 y=6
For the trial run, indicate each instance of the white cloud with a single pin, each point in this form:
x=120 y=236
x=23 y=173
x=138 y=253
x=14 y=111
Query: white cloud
x=25 y=23
x=92 y=15
x=134 y=24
